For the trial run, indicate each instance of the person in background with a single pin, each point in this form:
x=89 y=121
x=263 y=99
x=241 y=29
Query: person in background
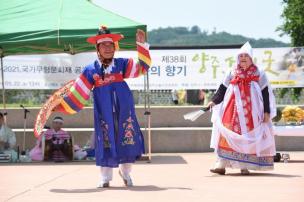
x=174 y=97
x=58 y=144
x=201 y=97
x=7 y=140
x=182 y=96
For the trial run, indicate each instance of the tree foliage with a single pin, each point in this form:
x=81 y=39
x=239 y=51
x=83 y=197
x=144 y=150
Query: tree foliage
x=293 y=15
x=195 y=36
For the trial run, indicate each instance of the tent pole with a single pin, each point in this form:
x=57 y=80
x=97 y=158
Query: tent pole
x=145 y=102
x=148 y=114
x=149 y=119
x=3 y=87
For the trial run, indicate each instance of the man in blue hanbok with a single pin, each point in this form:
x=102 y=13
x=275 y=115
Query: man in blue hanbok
x=118 y=139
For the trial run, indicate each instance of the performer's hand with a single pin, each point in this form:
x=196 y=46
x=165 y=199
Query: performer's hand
x=210 y=104
x=266 y=117
x=140 y=36
x=57 y=108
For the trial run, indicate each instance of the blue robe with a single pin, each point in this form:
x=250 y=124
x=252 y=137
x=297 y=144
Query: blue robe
x=118 y=138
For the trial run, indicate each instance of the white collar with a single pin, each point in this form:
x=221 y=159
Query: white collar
x=108 y=70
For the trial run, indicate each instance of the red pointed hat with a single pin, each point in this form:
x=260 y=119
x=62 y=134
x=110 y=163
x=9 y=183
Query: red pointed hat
x=104 y=34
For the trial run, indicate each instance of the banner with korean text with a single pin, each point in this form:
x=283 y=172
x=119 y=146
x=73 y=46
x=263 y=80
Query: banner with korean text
x=171 y=69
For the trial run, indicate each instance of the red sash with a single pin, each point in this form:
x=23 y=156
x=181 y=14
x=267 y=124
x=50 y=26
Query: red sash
x=250 y=78
x=108 y=78
x=230 y=118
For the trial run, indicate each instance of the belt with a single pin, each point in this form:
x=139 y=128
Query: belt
x=108 y=79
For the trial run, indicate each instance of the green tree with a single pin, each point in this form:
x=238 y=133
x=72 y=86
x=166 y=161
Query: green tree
x=194 y=36
x=293 y=15
x=195 y=30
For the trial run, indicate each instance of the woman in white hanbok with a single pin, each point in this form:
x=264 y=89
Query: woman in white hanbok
x=243 y=107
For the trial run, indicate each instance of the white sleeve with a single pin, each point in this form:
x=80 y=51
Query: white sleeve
x=227 y=79
x=263 y=81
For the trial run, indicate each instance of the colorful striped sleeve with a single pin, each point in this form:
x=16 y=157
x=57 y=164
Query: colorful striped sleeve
x=136 y=69
x=78 y=95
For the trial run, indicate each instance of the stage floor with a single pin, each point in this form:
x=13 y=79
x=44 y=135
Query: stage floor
x=170 y=177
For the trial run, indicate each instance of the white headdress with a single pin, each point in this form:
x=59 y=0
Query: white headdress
x=246 y=48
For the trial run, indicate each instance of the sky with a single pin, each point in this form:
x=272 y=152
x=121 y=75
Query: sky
x=250 y=18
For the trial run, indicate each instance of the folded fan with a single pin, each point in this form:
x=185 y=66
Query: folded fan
x=48 y=107
x=192 y=116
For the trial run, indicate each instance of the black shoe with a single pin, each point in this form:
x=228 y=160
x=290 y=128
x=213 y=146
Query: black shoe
x=220 y=171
